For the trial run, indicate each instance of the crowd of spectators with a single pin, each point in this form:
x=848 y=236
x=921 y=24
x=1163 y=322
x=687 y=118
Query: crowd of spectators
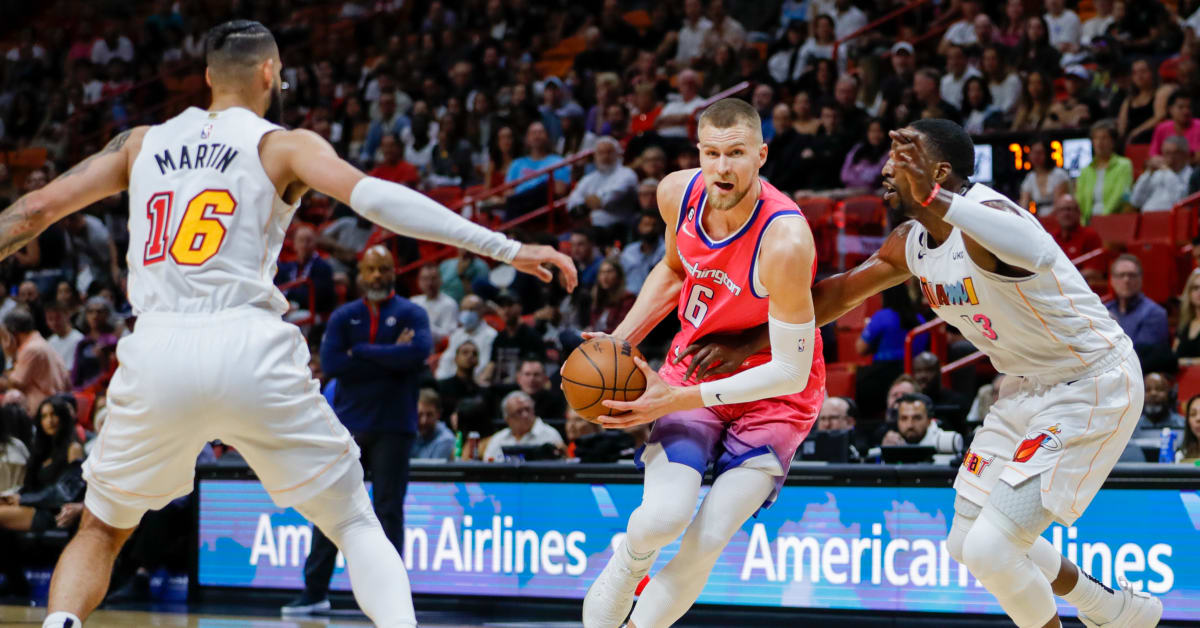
x=462 y=97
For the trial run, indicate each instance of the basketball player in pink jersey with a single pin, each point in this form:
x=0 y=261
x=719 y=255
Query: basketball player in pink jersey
x=739 y=254
x=1074 y=388
x=211 y=193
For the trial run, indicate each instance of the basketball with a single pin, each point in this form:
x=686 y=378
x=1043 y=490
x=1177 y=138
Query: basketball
x=599 y=369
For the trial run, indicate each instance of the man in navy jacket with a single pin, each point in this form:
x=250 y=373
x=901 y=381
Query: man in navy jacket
x=376 y=348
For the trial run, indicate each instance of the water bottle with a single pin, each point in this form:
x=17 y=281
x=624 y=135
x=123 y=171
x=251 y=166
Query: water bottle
x=471 y=451
x=458 y=445
x=1166 y=446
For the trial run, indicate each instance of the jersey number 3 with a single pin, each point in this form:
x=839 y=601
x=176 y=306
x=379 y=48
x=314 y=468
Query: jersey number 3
x=200 y=232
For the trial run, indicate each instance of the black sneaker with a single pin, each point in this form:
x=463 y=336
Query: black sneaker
x=306 y=604
x=136 y=590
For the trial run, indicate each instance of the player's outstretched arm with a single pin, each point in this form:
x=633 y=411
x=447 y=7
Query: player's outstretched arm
x=999 y=228
x=660 y=292
x=101 y=175
x=832 y=297
x=887 y=267
x=313 y=162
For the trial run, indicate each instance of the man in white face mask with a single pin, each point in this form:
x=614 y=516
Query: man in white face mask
x=471 y=326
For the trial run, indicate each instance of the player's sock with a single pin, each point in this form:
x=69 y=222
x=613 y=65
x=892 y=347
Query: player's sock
x=1047 y=559
x=1100 y=603
x=735 y=495
x=61 y=619
x=377 y=574
x=634 y=561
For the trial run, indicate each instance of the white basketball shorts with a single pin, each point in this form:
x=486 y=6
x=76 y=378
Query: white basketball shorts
x=240 y=376
x=1070 y=433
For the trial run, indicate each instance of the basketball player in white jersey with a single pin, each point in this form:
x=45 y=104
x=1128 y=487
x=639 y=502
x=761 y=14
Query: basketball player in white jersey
x=1075 y=389
x=211 y=194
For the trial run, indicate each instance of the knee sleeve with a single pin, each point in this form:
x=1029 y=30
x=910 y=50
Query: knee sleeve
x=995 y=554
x=654 y=525
x=965 y=513
x=1022 y=505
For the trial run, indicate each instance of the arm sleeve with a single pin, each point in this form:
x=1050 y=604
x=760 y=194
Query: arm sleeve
x=1016 y=240
x=786 y=373
x=408 y=212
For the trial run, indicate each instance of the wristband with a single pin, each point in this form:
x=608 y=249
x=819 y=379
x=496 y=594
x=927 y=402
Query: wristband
x=937 y=187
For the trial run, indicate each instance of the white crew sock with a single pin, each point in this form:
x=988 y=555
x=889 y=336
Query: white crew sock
x=1100 y=603
x=62 y=619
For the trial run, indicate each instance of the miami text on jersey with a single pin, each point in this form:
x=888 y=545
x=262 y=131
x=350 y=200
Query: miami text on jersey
x=717 y=275
x=939 y=294
x=215 y=155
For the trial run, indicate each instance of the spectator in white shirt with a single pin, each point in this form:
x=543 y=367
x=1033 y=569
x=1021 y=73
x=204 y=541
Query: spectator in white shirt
x=441 y=307
x=847 y=18
x=786 y=66
x=1099 y=23
x=524 y=427
x=608 y=193
x=63 y=337
x=1065 y=29
x=112 y=45
x=690 y=39
x=962 y=32
x=1003 y=83
x=724 y=29
x=1165 y=180
x=957 y=73
x=820 y=45
x=675 y=115
x=472 y=328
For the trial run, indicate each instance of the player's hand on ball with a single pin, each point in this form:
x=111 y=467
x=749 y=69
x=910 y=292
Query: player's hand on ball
x=659 y=399
x=532 y=259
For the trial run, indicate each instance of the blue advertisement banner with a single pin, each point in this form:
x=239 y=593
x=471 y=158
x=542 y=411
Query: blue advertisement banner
x=817 y=547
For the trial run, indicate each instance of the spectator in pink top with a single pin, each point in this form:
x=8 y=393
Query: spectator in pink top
x=37 y=370
x=1179 y=122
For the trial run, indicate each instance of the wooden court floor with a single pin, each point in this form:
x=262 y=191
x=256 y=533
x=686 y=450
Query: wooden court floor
x=27 y=617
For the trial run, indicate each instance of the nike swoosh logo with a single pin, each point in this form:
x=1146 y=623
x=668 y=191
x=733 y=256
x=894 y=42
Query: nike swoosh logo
x=920 y=254
x=685 y=230
x=719 y=398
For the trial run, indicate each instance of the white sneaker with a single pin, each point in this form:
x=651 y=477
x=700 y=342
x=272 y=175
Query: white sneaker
x=1140 y=610
x=610 y=598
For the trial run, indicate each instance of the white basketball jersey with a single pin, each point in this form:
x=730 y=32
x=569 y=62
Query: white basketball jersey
x=205 y=222
x=1049 y=323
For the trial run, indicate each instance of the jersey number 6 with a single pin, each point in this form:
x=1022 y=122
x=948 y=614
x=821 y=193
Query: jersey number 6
x=696 y=308
x=200 y=232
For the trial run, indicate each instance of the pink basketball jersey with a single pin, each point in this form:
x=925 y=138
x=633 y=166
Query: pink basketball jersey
x=719 y=293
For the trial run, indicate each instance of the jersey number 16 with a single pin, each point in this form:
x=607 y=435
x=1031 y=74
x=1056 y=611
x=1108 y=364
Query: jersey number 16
x=200 y=232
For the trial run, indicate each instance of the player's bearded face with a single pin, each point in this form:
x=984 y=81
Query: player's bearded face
x=729 y=160
x=275 y=108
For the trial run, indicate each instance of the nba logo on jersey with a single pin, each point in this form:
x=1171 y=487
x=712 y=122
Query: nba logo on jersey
x=206 y=131
x=1041 y=439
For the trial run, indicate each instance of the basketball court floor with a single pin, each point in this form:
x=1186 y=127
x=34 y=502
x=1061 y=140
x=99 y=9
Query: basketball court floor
x=27 y=617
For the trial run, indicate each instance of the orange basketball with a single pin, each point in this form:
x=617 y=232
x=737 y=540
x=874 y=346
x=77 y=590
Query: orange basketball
x=599 y=369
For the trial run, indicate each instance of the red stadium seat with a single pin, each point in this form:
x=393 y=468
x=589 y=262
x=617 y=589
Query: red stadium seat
x=1159 y=276
x=1137 y=153
x=1156 y=226
x=817 y=209
x=868 y=212
x=847 y=339
x=854 y=319
x=874 y=303
x=839 y=379
x=1189 y=382
x=1116 y=228
x=448 y=195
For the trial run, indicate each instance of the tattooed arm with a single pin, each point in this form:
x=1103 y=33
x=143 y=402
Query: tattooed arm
x=101 y=175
